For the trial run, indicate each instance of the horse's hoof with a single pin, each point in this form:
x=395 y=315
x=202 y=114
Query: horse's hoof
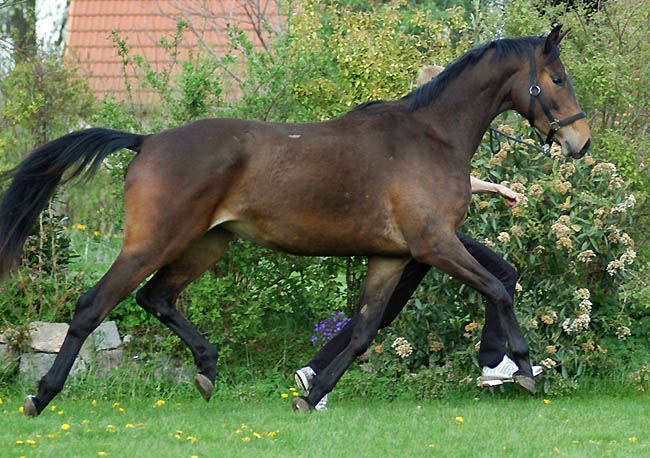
x=300 y=404
x=204 y=385
x=527 y=383
x=29 y=407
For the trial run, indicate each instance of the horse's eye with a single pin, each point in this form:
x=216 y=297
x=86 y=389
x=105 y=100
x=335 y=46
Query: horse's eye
x=558 y=81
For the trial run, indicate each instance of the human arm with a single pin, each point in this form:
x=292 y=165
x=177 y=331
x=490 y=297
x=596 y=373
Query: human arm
x=480 y=186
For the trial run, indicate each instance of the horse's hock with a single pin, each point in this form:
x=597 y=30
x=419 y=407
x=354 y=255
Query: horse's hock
x=102 y=350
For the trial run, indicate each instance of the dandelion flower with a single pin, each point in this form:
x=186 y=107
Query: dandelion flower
x=245 y=439
x=65 y=426
x=257 y=435
x=284 y=395
x=94 y=403
x=1 y=401
x=53 y=408
x=20 y=442
x=21 y=409
x=30 y=442
x=547 y=401
x=460 y=420
x=115 y=404
x=160 y=402
x=632 y=439
x=192 y=439
x=129 y=425
x=102 y=453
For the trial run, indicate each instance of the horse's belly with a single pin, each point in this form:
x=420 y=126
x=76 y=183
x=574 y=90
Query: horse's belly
x=324 y=241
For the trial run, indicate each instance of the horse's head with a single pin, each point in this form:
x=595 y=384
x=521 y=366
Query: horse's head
x=544 y=94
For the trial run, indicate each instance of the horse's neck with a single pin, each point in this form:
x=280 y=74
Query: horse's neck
x=471 y=101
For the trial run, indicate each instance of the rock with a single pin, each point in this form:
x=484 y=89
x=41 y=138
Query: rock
x=48 y=338
x=108 y=360
x=33 y=366
x=8 y=358
x=172 y=368
x=107 y=336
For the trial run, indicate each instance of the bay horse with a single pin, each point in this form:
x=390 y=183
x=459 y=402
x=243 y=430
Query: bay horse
x=389 y=180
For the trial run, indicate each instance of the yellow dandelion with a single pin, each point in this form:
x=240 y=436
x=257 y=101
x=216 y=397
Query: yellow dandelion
x=179 y=431
x=102 y=453
x=53 y=408
x=21 y=409
x=194 y=456
x=121 y=409
x=257 y=435
x=244 y=426
x=20 y=442
x=1 y=401
x=632 y=439
x=272 y=434
x=111 y=428
x=245 y=439
x=547 y=401
x=115 y=404
x=160 y=402
x=61 y=412
x=30 y=442
x=295 y=394
x=192 y=439
x=130 y=425
x=292 y=389
x=65 y=426
x=84 y=421
x=238 y=431
x=96 y=233
x=94 y=403
x=81 y=226
x=178 y=436
x=285 y=395
x=431 y=446
x=460 y=420
x=556 y=450
x=50 y=436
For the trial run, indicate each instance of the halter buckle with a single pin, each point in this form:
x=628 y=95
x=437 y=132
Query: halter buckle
x=546 y=148
x=555 y=124
x=534 y=90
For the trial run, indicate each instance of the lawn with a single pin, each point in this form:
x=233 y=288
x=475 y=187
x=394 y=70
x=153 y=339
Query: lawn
x=492 y=426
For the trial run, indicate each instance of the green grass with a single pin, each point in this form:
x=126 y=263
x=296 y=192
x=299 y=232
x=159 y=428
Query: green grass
x=588 y=425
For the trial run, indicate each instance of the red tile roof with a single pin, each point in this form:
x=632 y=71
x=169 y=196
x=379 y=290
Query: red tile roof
x=142 y=23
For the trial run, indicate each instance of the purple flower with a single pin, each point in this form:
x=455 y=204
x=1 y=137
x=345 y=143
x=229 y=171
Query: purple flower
x=328 y=328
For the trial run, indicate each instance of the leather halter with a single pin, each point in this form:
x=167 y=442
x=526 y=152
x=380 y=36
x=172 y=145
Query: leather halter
x=536 y=96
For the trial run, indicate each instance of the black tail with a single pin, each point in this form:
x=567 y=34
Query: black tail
x=36 y=178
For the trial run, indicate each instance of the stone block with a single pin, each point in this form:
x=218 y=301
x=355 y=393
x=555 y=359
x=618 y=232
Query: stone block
x=106 y=336
x=48 y=338
x=108 y=360
x=33 y=366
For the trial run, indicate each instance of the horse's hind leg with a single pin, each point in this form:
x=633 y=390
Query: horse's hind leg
x=160 y=293
x=383 y=275
x=128 y=270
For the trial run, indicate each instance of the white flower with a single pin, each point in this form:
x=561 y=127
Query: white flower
x=623 y=332
x=548 y=363
x=586 y=256
x=503 y=237
x=629 y=256
x=402 y=347
x=615 y=266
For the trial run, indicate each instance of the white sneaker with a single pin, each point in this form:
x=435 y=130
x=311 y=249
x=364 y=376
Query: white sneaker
x=303 y=378
x=322 y=404
x=503 y=372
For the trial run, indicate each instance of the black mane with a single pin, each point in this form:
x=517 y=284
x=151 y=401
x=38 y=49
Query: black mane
x=428 y=92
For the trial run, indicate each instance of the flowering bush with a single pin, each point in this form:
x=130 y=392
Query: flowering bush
x=568 y=240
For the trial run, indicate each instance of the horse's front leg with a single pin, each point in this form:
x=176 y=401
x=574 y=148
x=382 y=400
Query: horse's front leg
x=446 y=252
x=381 y=279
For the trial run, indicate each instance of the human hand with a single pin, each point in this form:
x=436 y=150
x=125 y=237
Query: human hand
x=510 y=197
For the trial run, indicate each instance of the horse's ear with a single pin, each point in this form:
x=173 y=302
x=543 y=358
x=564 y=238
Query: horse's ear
x=554 y=38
